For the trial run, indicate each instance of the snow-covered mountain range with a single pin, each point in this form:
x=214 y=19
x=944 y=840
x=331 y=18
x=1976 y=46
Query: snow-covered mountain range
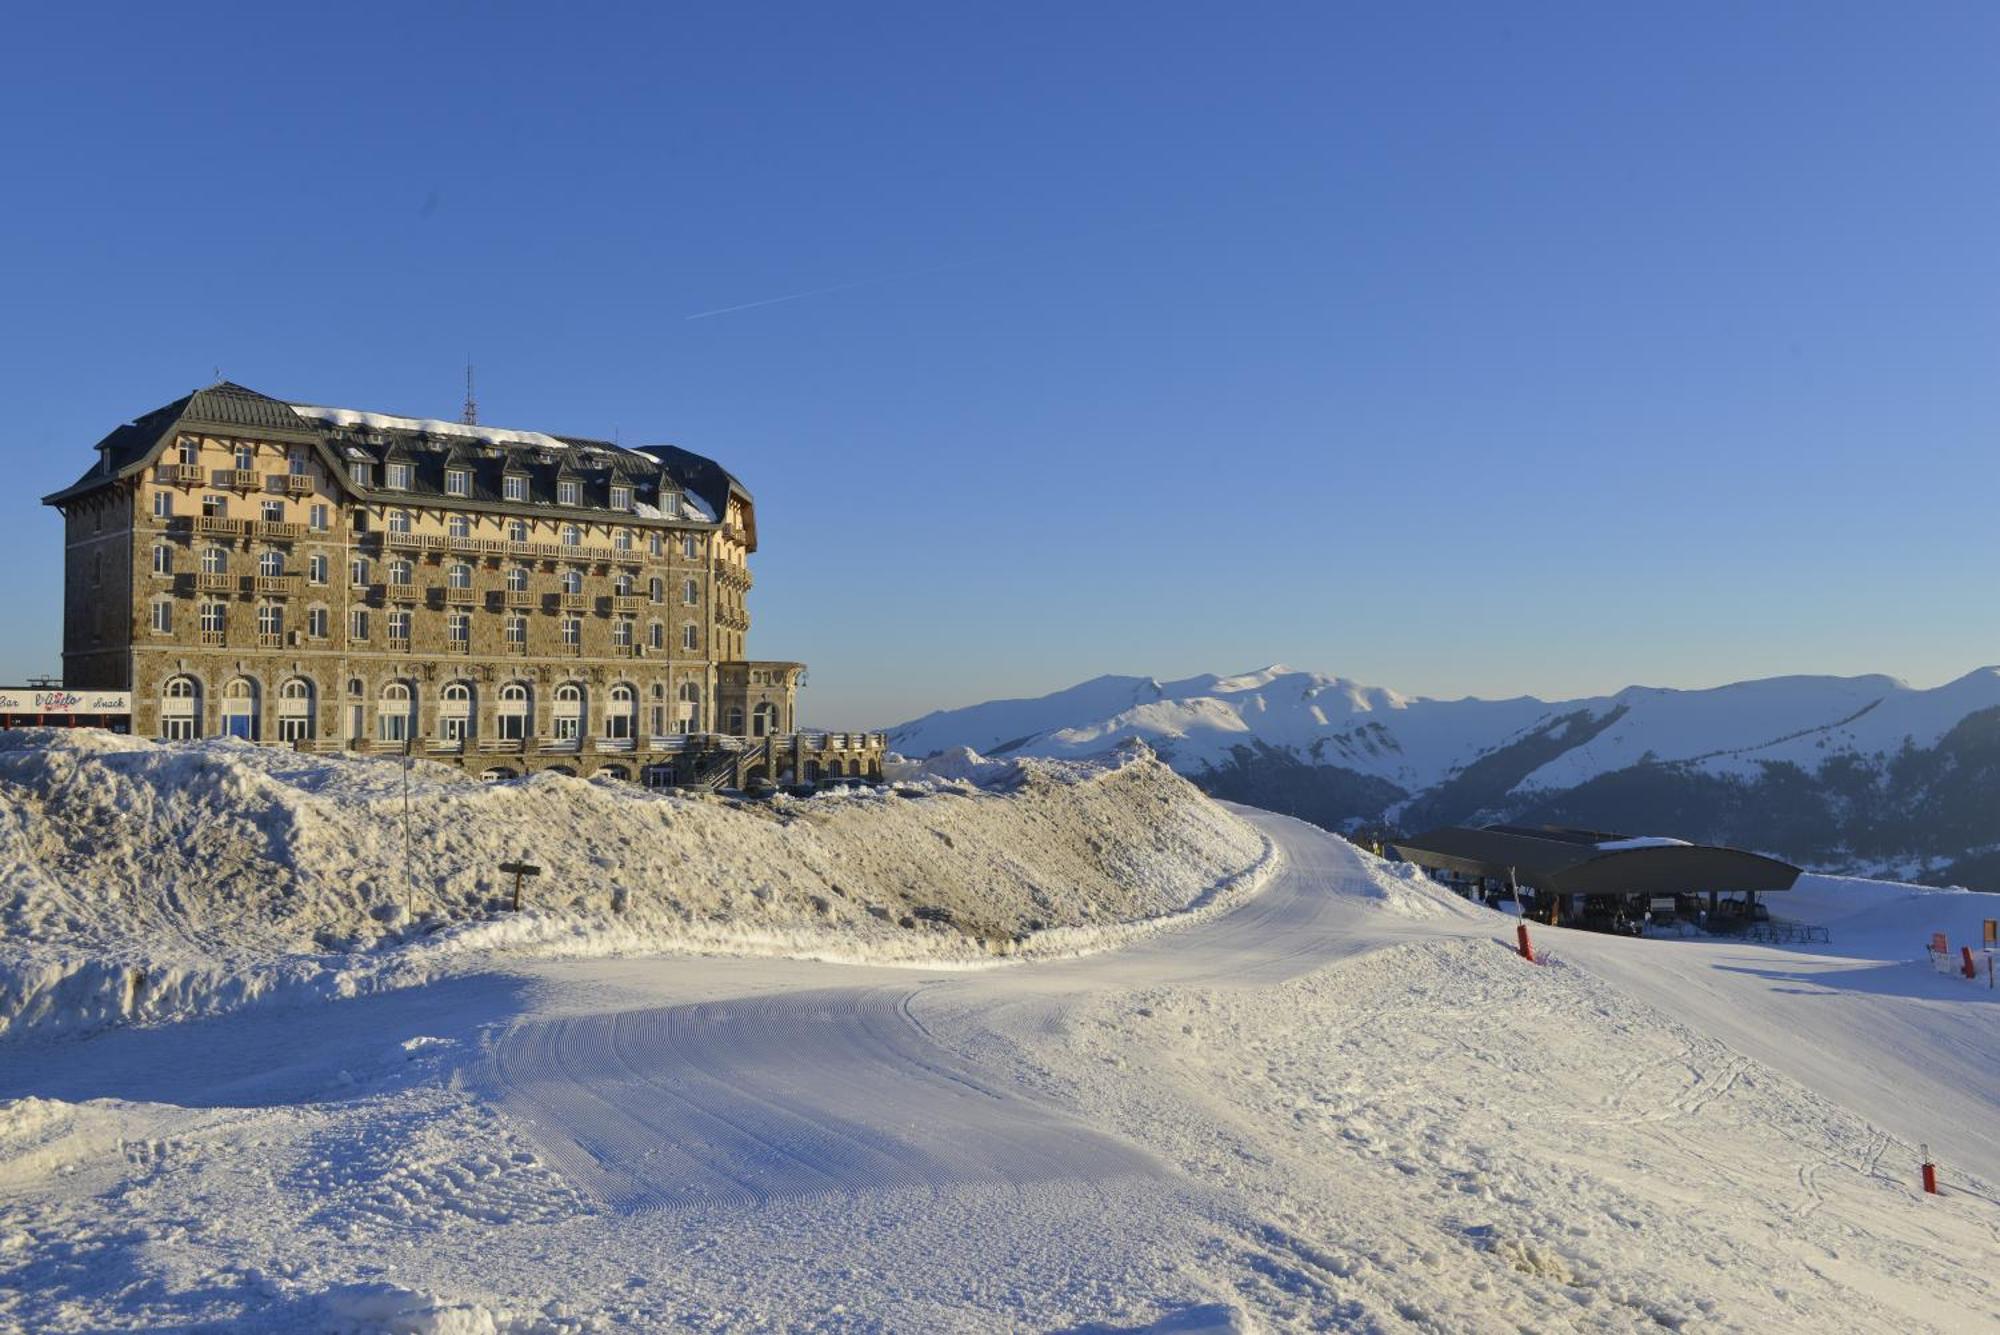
x=1854 y=773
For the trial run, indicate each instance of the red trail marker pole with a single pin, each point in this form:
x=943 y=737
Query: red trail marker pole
x=1970 y=971
x=1527 y=949
x=1930 y=1173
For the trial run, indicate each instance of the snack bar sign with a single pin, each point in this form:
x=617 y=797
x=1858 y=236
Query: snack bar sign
x=38 y=700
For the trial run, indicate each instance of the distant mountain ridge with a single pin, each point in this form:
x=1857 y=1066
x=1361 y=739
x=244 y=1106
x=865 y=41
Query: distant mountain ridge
x=1843 y=773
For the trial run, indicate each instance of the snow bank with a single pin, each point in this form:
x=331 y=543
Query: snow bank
x=1886 y=920
x=148 y=881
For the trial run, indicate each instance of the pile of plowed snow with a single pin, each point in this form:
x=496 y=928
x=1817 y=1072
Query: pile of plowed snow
x=141 y=880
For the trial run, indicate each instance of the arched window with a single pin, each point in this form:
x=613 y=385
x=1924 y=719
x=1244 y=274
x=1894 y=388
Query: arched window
x=400 y=571
x=239 y=709
x=572 y=581
x=399 y=521
x=516 y=711
x=295 y=710
x=180 y=709
x=688 y=715
x=621 y=584
x=517 y=580
x=656 y=635
x=396 y=712
x=691 y=592
x=459 y=575
x=736 y=720
x=570 y=708
x=656 y=589
x=572 y=536
x=457 y=719
x=690 y=637
x=214 y=561
x=271 y=563
x=764 y=720
x=621 y=712
x=460 y=527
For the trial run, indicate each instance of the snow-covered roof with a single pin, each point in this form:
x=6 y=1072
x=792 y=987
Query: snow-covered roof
x=434 y=426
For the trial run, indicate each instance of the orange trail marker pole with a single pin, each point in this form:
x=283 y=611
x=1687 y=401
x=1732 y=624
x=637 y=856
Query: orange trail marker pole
x=1970 y=971
x=1930 y=1173
x=1527 y=949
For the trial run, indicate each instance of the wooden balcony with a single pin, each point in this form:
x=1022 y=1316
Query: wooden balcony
x=626 y=603
x=458 y=646
x=219 y=526
x=265 y=641
x=213 y=639
x=236 y=479
x=624 y=651
x=520 y=598
x=180 y=475
x=402 y=591
x=575 y=602
x=278 y=530
x=460 y=597
x=205 y=582
x=277 y=585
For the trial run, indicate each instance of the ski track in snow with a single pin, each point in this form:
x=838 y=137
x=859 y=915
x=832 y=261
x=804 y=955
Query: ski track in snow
x=1342 y=1104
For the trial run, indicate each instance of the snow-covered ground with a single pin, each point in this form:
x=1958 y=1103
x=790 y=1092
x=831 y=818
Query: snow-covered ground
x=148 y=881
x=1341 y=1103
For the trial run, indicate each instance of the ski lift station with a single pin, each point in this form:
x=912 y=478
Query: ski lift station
x=1602 y=881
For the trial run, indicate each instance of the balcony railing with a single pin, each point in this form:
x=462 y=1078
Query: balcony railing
x=399 y=641
x=213 y=638
x=180 y=475
x=560 y=746
x=280 y=585
x=624 y=651
x=510 y=746
x=219 y=525
x=446 y=746
x=274 y=528
x=269 y=641
x=615 y=745
x=236 y=479
x=625 y=603
x=520 y=598
x=575 y=602
x=458 y=646
x=208 y=582
x=463 y=597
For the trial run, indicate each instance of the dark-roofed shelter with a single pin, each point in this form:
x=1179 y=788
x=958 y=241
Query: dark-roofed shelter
x=1582 y=868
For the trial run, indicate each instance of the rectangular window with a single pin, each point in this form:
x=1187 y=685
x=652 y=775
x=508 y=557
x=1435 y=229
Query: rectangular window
x=296 y=460
x=655 y=544
x=320 y=519
x=691 y=593
x=517 y=630
x=569 y=493
x=459 y=627
x=398 y=477
x=246 y=457
x=457 y=482
x=274 y=512
x=362 y=472
x=357 y=624
x=215 y=507
x=621 y=632
x=517 y=530
x=621 y=498
x=690 y=637
x=163 y=618
x=316 y=568
x=163 y=560
x=399 y=625
x=357 y=571
x=514 y=488
x=163 y=505
x=572 y=536
x=316 y=622
x=214 y=616
x=670 y=503
x=690 y=546
x=572 y=630
x=656 y=635
x=190 y=451
x=399 y=521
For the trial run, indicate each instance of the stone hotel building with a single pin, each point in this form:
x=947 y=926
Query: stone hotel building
x=506 y=600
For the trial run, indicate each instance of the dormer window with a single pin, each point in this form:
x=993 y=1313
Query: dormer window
x=514 y=487
x=362 y=472
x=398 y=476
x=458 y=482
x=621 y=498
x=670 y=503
x=569 y=493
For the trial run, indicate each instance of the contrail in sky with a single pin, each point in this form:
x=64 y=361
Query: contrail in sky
x=815 y=292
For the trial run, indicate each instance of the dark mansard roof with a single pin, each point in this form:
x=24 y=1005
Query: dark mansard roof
x=693 y=488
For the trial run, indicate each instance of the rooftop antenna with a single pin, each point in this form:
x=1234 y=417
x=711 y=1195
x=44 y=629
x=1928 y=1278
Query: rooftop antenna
x=471 y=414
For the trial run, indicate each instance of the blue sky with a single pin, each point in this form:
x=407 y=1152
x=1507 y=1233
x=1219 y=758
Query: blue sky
x=1457 y=348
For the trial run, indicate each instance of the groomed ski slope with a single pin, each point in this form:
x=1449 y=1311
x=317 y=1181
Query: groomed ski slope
x=1342 y=1105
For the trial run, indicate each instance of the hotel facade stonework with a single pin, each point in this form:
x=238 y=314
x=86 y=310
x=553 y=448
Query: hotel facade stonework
x=509 y=601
